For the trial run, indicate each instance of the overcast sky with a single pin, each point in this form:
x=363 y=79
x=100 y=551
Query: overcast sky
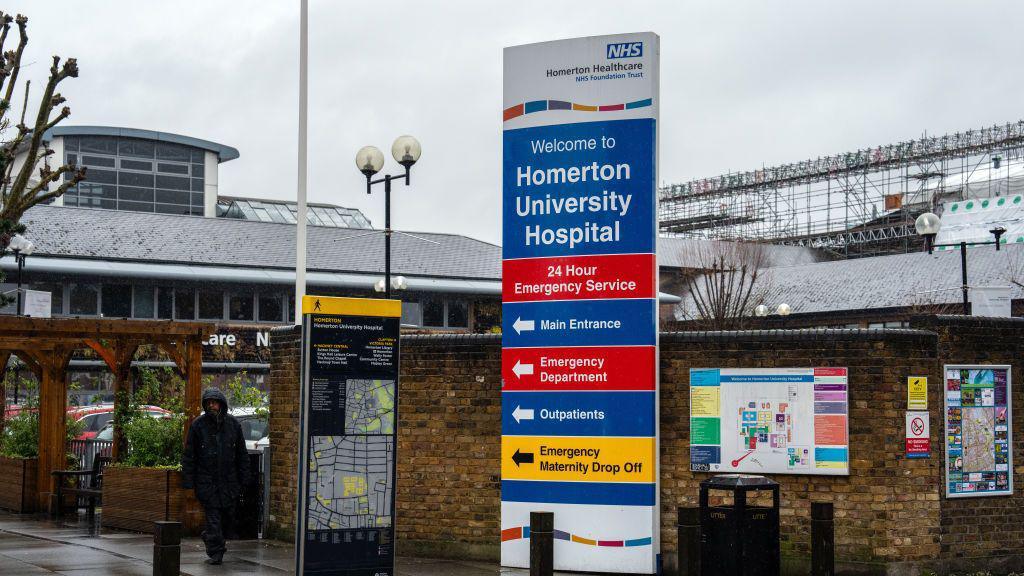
x=744 y=84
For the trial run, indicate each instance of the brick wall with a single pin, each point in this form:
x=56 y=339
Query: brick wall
x=890 y=510
x=886 y=508
x=989 y=528
x=283 y=387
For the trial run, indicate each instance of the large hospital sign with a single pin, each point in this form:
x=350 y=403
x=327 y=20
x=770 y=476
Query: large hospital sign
x=579 y=393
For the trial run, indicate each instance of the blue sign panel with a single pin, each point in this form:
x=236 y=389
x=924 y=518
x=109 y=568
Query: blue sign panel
x=578 y=323
x=577 y=414
x=590 y=194
x=608 y=493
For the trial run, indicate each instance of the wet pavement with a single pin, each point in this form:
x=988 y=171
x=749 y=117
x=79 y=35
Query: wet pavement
x=29 y=546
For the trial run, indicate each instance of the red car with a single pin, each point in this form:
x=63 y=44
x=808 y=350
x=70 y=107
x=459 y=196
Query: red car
x=95 y=417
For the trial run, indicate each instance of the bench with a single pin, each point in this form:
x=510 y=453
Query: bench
x=85 y=485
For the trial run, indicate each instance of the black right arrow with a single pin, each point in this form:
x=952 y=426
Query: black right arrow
x=522 y=458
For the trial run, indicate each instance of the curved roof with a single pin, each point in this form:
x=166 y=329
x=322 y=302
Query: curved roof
x=223 y=152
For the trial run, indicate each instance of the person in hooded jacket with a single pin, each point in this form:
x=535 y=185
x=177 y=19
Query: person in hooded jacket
x=216 y=465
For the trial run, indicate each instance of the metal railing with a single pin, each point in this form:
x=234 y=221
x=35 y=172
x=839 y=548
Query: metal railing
x=87 y=450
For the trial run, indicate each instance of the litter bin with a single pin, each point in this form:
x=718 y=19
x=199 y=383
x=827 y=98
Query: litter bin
x=739 y=540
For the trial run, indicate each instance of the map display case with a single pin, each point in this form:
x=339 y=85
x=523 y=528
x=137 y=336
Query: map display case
x=978 y=429
x=347 y=459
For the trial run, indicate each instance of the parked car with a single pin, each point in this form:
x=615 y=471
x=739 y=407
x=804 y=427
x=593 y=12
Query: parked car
x=254 y=428
x=94 y=418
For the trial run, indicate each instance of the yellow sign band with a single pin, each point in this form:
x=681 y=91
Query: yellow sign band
x=577 y=459
x=336 y=306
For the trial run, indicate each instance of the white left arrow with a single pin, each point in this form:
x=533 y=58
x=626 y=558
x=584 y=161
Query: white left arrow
x=522 y=414
x=521 y=325
x=520 y=369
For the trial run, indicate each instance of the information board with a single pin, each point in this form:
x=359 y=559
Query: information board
x=349 y=396
x=769 y=420
x=579 y=313
x=979 y=424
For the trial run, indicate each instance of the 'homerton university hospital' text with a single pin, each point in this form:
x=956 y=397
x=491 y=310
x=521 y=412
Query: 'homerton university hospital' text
x=607 y=202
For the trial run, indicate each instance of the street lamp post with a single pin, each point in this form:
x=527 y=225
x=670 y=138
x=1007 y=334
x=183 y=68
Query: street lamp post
x=928 y=225
x=406 y=151
x=22 y=248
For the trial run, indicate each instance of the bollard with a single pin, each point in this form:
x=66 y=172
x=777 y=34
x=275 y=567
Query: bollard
x=166 y=548
x=542 y=543
x=688 y=532
x=823 y=539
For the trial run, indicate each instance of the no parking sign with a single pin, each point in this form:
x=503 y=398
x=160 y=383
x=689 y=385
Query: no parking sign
x=918 y=435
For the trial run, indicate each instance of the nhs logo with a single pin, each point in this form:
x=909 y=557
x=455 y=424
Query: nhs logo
x=626 y=50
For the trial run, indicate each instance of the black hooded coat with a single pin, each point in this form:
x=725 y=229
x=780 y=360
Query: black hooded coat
x=215 y=462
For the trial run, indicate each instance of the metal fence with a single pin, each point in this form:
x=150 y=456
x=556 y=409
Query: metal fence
x=87 y=450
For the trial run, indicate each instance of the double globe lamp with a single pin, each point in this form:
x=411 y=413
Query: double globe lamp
x=406 y=151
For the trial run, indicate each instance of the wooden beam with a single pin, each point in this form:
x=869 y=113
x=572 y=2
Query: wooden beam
x=178 y=354
x=193 y=381
x=31 y=359
x=53 y=399
x=108 y=355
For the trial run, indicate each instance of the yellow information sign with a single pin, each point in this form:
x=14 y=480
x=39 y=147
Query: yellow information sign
x=705 y=402
x=917 y=393
x=337 y=306
x=577 y=458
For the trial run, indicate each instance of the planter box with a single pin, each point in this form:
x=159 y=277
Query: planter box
x=134 y=498
x=18 y=484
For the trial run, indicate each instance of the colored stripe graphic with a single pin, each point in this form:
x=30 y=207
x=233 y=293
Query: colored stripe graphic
x=524 y=532
x=545 y=105
x=608 y=493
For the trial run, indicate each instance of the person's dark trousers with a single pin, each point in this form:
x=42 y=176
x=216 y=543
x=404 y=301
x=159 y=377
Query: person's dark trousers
x=218 y=524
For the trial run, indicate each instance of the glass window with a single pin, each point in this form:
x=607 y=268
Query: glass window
x=71 y=198
x=117 y=300
x=172 y=168
x=197 y=200
x=99 y=144
x=240 y=307
x=433 y=312
x=135 y=147
x=84 y=299
x=197 y=184
x=135 y=194
x=136 y=165
x=71 y=142
x=172 y=182
x=134 y=206
x=56 y=296
x=172 y=209
x=135 y=179
x=458 y=314
x=105 y=161
x=198 y=171
x=211 y=304
x=270 y=308
x=198 y=155
x=165 y=303
x=144 y=305
x=184 y=304
x=411 y=313
x=73 y=159
x=102 y=176
x=91 y=190
x=172 y=197
x=170 y=151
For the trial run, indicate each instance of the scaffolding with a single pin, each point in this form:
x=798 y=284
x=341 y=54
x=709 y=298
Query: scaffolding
x=861 y=203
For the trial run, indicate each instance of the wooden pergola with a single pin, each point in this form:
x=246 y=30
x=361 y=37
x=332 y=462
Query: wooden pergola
x=45 y=345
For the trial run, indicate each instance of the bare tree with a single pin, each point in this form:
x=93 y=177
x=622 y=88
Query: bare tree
x=25 y=184
x=734 y=280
